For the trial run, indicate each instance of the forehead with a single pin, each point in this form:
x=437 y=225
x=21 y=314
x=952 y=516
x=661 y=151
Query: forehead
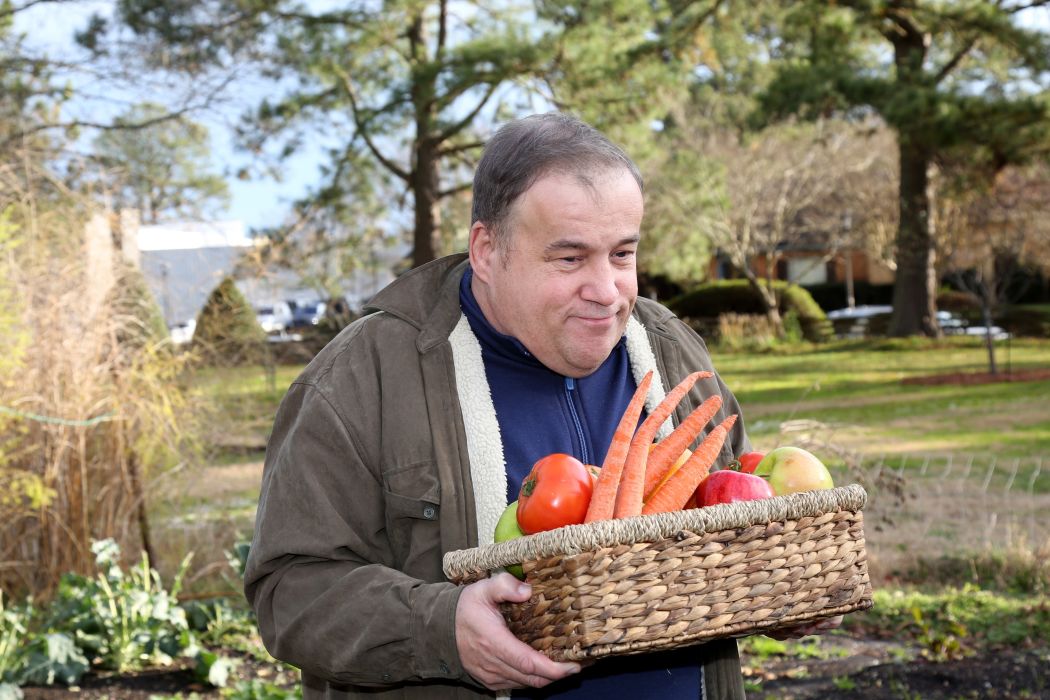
x=597 y=195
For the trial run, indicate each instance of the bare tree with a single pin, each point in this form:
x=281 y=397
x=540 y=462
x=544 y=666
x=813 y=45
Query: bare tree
x=989 y=234
x=786 y=187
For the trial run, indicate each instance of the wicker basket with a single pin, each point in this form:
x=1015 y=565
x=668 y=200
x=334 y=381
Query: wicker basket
x=660 y=581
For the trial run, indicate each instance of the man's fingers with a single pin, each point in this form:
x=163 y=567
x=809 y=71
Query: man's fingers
x=529 y=668
x=504 y=588
x=489 y=652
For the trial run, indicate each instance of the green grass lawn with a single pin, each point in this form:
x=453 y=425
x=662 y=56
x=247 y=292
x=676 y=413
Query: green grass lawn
x=856 y=390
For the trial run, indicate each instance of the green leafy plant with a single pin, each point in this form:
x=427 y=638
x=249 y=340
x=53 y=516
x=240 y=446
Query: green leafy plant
x=843 y=683
x=126 y=619
x=214 y=668
x=256 y=689
x=13 y=631
x=50 y=658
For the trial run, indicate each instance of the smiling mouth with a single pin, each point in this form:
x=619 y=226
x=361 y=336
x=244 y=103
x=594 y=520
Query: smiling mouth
x=596 y=319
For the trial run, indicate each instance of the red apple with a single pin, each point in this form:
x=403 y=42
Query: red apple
x=749 y=460
x=726 y=486
x=792 y=469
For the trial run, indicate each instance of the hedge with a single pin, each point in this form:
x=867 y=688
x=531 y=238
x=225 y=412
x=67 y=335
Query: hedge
x=736 y=296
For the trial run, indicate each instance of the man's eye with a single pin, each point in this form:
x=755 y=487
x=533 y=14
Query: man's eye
x=572 y=259
x=623 y=254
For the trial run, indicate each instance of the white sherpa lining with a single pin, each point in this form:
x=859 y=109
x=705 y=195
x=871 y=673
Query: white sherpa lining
x=642 y=360
x=488 y=467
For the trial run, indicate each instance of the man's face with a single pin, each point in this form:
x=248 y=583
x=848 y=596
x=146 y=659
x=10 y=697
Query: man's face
x=566 y=283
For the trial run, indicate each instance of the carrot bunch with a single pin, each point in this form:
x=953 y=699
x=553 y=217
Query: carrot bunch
x=638 y=477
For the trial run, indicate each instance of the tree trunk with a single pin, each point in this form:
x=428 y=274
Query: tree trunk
x=768 y=296
x=989 y=341
x=424 y=179
x=141 y=514
x=914 y=290
x=425 y=192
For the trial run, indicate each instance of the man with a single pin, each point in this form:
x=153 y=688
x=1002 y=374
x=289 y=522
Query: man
x=407 y=436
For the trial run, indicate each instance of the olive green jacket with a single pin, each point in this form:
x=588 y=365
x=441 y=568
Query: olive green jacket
x=368 y=482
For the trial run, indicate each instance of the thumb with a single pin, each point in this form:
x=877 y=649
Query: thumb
x=506 y=588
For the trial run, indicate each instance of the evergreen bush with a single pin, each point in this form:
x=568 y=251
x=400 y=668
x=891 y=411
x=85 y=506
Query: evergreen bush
x=227 y=332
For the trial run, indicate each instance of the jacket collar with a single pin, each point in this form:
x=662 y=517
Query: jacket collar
x=426 y=297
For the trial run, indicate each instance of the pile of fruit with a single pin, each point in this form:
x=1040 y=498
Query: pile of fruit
x=640 y=477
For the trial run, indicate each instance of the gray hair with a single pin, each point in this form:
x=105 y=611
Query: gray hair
x=525 y=150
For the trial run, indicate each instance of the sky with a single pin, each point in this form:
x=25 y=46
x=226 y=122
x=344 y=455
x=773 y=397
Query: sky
x=258 y=202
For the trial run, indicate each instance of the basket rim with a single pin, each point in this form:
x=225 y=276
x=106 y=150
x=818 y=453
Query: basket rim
x=574 y=539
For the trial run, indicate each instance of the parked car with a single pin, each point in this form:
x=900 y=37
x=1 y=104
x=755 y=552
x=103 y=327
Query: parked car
x=306 y=314
x=858 y=322
x=274 y=319
x=182 y=333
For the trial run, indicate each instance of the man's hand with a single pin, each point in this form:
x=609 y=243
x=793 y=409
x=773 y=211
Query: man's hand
x=806 y=629
x=487 y=649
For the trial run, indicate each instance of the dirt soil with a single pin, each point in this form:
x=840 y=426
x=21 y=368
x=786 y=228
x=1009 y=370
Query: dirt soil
x=867 y=674
x=865 y=670
x=177 y=680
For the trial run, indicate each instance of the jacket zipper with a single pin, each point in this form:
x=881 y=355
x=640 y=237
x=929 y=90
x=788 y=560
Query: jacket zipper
x=570 y=387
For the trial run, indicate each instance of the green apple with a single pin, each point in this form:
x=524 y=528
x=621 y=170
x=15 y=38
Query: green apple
x=507 y=529
x=792 y=469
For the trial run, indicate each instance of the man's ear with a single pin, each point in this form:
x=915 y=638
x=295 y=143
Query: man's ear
x=483 y=251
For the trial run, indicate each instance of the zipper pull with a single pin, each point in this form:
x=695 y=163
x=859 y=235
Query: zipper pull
x=570 y=383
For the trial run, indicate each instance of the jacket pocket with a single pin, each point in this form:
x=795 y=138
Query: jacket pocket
x=413 y=509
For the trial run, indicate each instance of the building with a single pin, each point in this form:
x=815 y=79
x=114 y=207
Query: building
x=184 y=262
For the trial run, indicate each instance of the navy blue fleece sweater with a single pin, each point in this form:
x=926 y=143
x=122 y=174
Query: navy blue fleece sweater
x=540 y=412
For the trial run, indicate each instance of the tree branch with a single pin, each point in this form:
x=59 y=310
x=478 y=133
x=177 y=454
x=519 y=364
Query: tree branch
x=954 y=61
x=465 y=121
x=462 y=187
x=112 y=126
x=15 y=9
x=362 y=128
x=460 y=148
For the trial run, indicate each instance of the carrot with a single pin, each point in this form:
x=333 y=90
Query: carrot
x=666 y=453
x=679 y=488
x=632 y=481
x=603 y=498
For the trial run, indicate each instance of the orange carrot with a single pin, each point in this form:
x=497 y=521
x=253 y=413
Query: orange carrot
x=603 y=498
x=679 y=488
x=632 y=481
x=666 y=452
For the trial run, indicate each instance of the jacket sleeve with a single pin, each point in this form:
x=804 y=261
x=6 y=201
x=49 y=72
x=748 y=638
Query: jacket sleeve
x=320 y=573
x=696 y=354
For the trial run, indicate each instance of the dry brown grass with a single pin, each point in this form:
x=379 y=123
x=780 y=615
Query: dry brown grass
x=93 y=404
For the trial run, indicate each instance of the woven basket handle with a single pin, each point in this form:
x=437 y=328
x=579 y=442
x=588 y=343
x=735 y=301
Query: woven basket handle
x=471 y=564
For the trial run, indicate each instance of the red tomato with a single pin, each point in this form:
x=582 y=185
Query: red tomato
x=555 y=493
x=749 y=460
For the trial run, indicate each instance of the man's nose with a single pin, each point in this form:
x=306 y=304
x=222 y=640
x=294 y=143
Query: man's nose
x=600 y=287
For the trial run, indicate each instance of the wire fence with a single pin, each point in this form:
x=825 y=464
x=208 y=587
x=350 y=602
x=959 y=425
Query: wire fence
x=924 y=507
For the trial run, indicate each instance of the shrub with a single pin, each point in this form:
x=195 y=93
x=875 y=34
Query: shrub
x=227 y=333
x=711 y=300
x=745 y=332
